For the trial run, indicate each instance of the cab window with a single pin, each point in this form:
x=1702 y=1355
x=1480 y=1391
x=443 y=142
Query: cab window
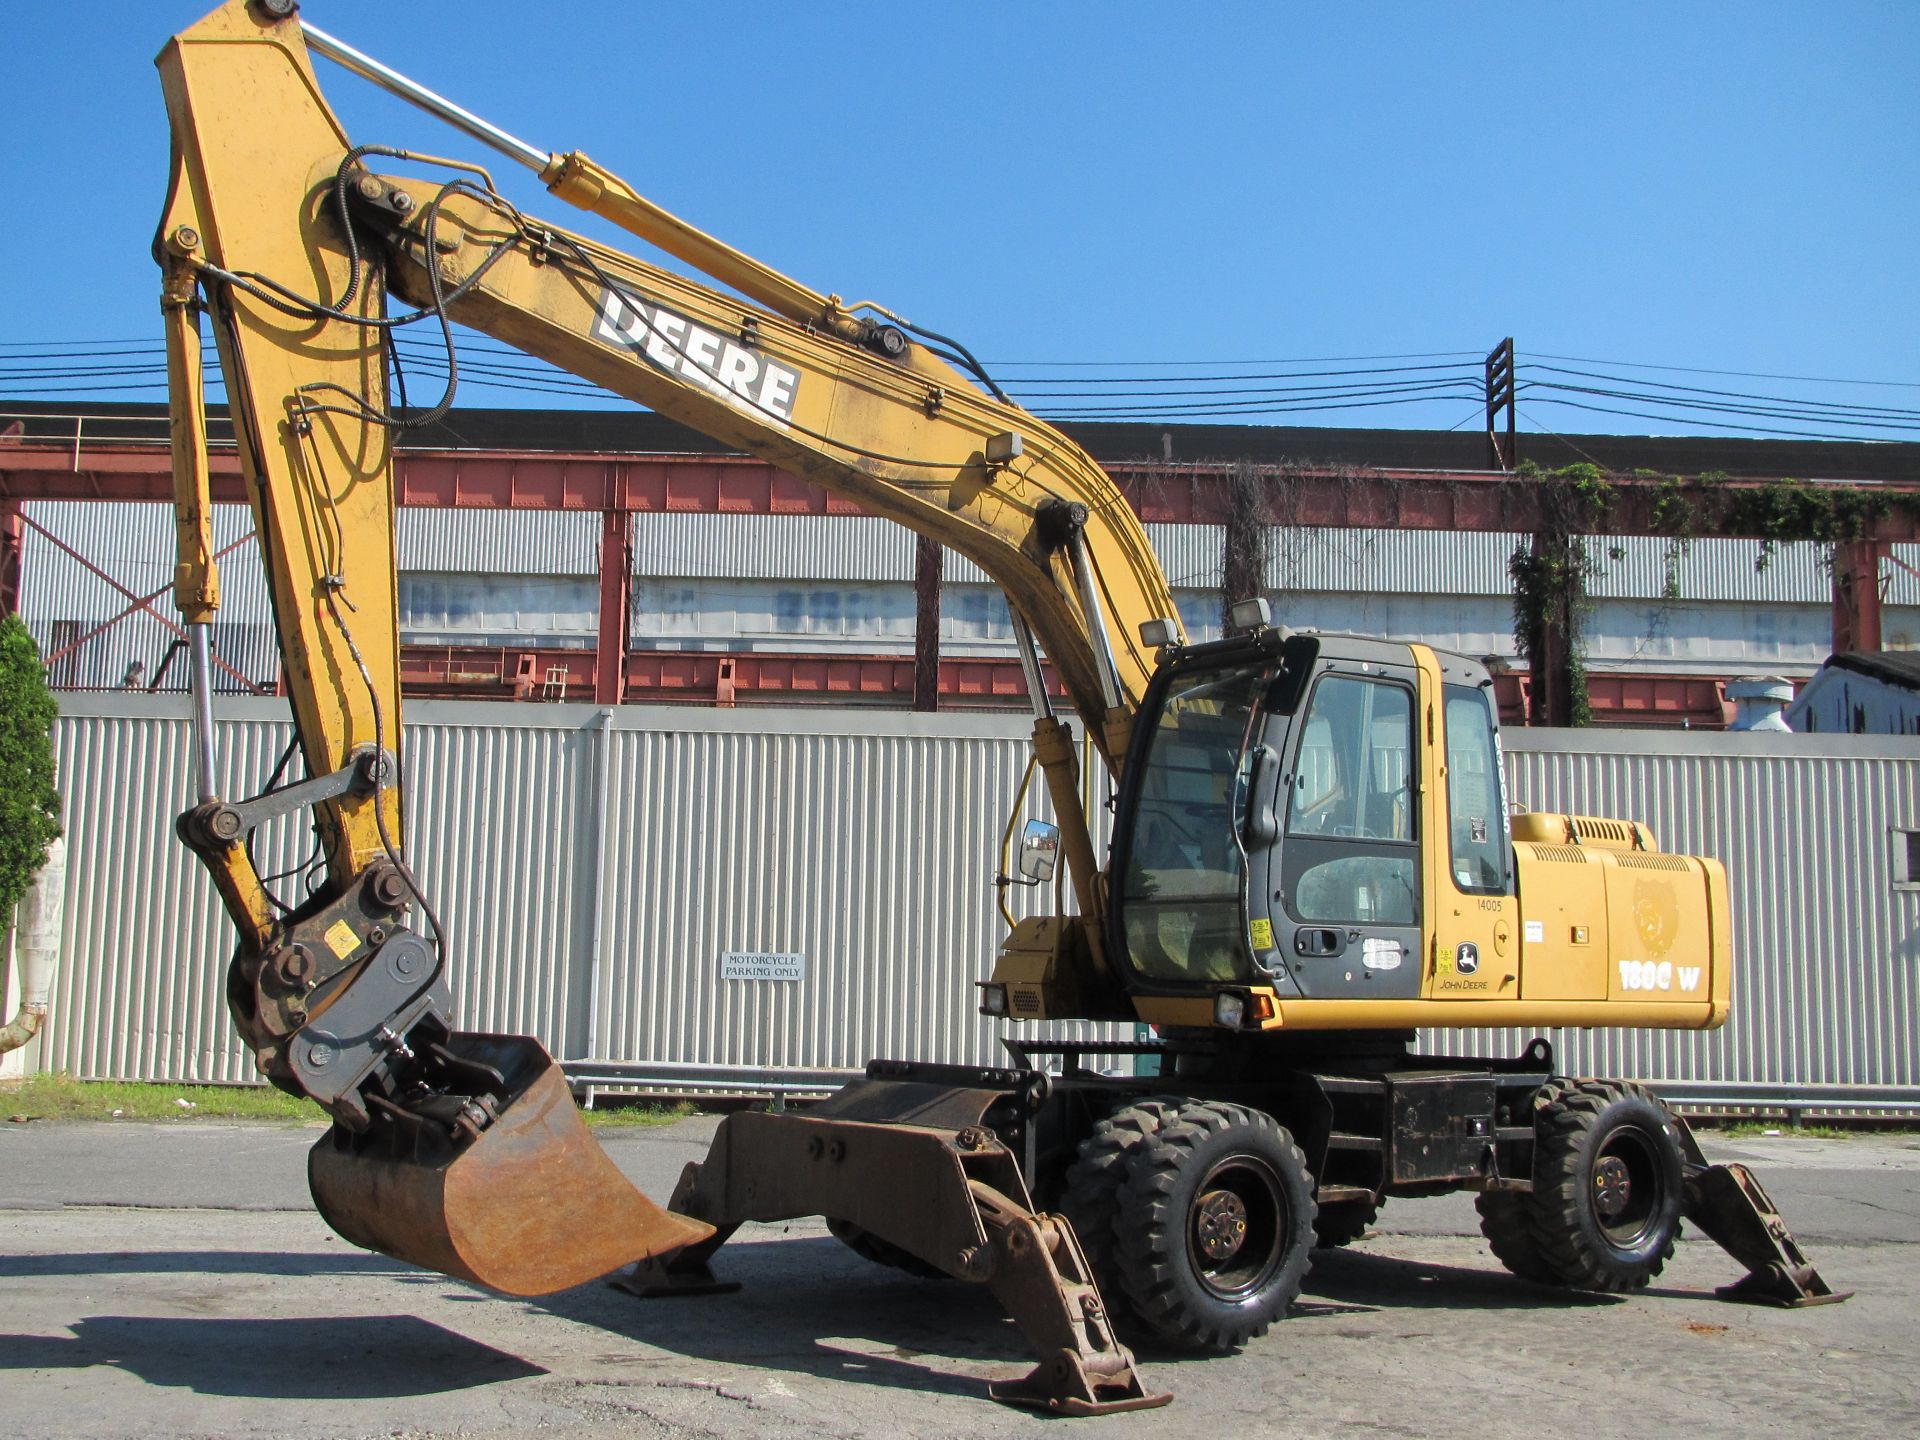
x=1184 y=872
x=1476 y=807
x=1350 y=778
x=1350 y=813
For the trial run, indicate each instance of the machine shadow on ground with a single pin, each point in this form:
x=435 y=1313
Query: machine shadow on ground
x=346 y=1357
x=809 y=1305
x=840 y=1318
x=282 y=1264
x=1358 y=1278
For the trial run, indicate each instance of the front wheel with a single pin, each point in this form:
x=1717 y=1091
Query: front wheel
x=1217 y=1225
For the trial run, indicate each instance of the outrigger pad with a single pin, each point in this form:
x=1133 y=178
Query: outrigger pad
x=530 y=1206
x=1063 y=1386
x=1736 y=1213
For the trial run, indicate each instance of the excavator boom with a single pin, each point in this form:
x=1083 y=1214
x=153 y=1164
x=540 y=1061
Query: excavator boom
x=464 y=1152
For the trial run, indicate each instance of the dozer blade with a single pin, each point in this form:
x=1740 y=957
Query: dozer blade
x=529 y=1205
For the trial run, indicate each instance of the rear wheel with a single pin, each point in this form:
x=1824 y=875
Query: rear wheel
x=1216 y=1226
x=1506 y=1219
x=1605 y=1208
x=1342 y=1222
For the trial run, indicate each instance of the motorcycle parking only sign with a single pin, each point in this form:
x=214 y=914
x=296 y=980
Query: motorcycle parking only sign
x=761 y=965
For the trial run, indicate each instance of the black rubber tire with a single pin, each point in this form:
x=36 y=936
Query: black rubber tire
x=1342 y=1222
x=1506 y=1219
x=1091 y=1200
x=1226 y=1179
x=869 y=1246
x=1608 y=1176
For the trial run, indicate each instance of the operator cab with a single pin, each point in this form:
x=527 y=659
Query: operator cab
x=1270 y=823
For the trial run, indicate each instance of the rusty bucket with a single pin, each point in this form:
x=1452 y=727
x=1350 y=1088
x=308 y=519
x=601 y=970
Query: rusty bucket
x=529 y=1206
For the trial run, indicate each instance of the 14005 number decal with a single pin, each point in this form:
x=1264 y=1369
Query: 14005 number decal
x=1646 y=975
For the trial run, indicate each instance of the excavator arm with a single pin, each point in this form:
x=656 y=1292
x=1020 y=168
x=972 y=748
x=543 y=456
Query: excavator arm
x=458 y=1151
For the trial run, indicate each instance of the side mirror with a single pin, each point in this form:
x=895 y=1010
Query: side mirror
x=1039 y=851
x=1262 y=827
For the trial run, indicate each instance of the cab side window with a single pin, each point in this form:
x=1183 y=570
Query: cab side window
x=1476 y=807
x=1351 y=799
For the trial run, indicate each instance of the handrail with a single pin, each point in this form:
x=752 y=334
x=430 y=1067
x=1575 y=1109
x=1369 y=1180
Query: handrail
x=1687 y=1095
x=720 y=1079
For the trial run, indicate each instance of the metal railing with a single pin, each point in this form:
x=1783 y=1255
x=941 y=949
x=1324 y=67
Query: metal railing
x=1796 y=1102
x=1689 y=1096
x=679 y=1078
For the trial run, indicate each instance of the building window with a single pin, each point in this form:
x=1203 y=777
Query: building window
x=1906 y=859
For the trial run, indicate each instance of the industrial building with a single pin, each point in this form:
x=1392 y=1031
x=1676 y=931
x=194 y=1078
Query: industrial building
x=741 y=586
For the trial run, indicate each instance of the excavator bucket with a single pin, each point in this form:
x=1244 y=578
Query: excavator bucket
x=528 y=1205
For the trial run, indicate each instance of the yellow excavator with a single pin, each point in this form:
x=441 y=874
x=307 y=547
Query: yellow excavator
x=1313 y=856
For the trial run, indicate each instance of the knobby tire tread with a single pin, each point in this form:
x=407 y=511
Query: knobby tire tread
x=1152 y=1255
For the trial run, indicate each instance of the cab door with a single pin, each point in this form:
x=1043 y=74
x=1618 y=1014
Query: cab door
x=1348 y=901
x=1475 y=949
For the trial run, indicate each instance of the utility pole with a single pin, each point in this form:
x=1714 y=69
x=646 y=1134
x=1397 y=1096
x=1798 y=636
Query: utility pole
x=1500 y=456
x=927 y=567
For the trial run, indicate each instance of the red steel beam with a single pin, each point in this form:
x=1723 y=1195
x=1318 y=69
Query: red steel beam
x=707 y=677
x=13 y=531
x=1403 y=499
x=616 y=592
x=1327 y=496
x=1856 y=595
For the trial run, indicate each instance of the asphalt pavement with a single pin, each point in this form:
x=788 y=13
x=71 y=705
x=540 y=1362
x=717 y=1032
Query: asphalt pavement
x=172 y=1279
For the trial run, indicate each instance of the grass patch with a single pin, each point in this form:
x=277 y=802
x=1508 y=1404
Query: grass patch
x=61 y=1097
x=1751 y=1129
x=627 y=1114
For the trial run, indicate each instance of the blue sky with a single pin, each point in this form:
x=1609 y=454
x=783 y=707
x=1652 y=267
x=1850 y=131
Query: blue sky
x=1137 y=188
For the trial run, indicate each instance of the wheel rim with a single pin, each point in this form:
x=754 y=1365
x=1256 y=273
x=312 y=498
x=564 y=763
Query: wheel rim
x=1628 y=1188
x=1236 y=1227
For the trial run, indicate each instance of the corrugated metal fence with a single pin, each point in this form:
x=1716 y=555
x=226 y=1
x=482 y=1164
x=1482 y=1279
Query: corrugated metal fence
x=595 y=865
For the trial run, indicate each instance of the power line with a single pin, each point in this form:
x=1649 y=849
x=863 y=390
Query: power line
x=1713 y=424
x=1727 y=394
x=1210 y=389
x=1784 y=411
x=1295 y=360
x=1738 y=374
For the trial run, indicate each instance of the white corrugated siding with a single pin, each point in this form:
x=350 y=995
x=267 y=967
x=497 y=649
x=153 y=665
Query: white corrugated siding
x=772 y=547
x=133 y=541
x=499 y=542
x=1396 y=562
x=1903 y=579
x=867 y=843
x=139 y=989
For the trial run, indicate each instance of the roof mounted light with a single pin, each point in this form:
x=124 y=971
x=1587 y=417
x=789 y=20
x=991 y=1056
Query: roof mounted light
x=1254 y=614
x=1160 y=633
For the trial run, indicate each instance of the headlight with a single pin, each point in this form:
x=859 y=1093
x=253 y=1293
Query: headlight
x=993 y=999
x=1229 y=1009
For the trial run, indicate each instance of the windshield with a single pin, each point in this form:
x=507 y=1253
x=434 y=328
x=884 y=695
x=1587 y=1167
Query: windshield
x=1181 y=887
